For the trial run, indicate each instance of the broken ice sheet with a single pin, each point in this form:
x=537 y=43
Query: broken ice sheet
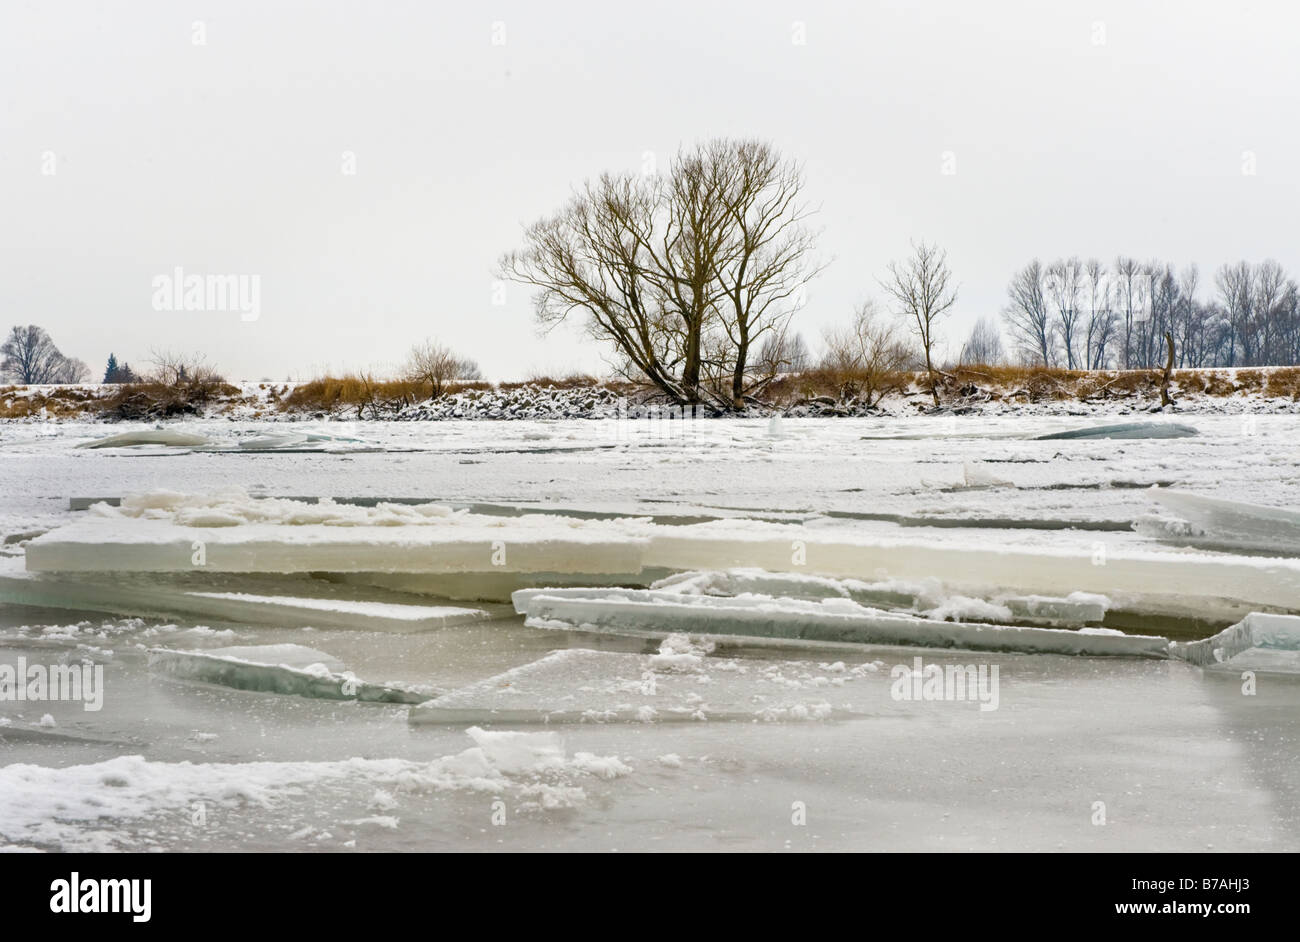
x=147 y=436
x=231 y=531
x=97 y=807
x=1260 y=641
x=279 y=668
x=654 y=614
x=1126 y=430
x=1214 y=521
x=679 y=683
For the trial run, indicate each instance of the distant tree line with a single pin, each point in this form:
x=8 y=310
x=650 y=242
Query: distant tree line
x=1086 y=315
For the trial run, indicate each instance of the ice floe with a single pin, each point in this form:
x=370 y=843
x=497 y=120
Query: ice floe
x=278 y=668
x=651 y=613
x=148 y=436
x=1123 y=430
x=1225 y=523
x=93 y=807
x=1259 y=641
x=678 y=684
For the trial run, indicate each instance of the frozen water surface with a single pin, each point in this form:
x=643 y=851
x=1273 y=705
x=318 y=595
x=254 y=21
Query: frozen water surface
x=1169 y=754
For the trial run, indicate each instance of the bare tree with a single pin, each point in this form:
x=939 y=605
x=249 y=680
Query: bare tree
x=435 y=364
x=1128 y=278
x=662 y=266
x=1270 y=287
x=71 y=370
x=1027 y=316
x=767 y=264
x=866 y=359
x=1188 y=319
x=984 y=346
x=31 y=357
x=1064 y=285
x=1101 y=315
x=1235 y=285
x=780 y=353
x=922 y=291
x=172 y=368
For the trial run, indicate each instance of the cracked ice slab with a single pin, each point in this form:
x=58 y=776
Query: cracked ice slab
x=678 y=684
x=278 y=668
x=650 y=613
x=1075 y=610
x=144 y=545
x=232 y=531
x=1258 y=642
x=291 y=601
x=1133 y=579
x=1225 y=522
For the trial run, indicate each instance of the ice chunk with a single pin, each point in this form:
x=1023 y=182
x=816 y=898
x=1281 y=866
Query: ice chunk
x=1260 y=641
x=491 y=586
x=147 y=436
x=1124 y=430
x=789 y=585
x=353 y=614
x=584 y=686
x=293 y=601
x=219 y=543
x=298 y=656
x=1077 y=608
x=978 y=476
x=272 y=442
x=963 y=608
x=1180 y=584
x=278 y=668
x=648 y=613
x=304 y=441
x=83 y=807
x=1220 y=522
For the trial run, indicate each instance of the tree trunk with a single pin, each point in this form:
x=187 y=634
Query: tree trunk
x=1165 y=399
x=738 y=376
x=929 y=371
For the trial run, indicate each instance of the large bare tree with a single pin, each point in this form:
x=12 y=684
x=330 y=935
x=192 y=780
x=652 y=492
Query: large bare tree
x=768 y=264
x=28 y=355
x=704 y=260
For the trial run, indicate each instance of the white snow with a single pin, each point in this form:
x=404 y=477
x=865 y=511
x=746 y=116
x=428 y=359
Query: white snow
x=87 y=807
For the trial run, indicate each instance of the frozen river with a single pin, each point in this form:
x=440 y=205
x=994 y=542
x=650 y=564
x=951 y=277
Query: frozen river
x=1081 y=753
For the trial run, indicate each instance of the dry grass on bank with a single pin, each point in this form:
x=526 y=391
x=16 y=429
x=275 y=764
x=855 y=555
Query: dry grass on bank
x=364 y=396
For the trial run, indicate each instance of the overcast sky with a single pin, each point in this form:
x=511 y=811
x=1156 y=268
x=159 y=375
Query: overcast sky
x=138 y=137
